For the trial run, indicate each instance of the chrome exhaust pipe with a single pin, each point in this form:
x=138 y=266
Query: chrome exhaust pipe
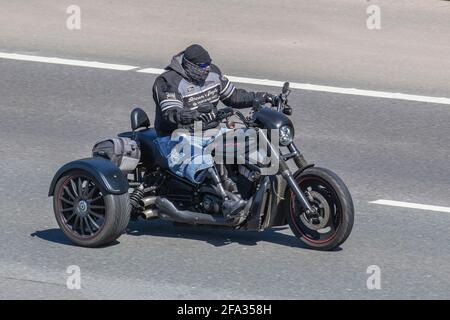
x=150 y=213
x=168 y=211
x=148 y=201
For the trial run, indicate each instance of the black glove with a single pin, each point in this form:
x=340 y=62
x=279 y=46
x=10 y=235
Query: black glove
x=225 y=112
x=186 y=116
x=265 y=97
x=208 y=112
x=206 y=107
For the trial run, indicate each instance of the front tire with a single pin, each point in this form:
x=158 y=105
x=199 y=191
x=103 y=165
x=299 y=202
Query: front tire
x=328 y=193
x=86 y=215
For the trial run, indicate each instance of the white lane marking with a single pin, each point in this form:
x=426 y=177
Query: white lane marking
x=70 y=62
x=351 y=91
x=151 y=70
x=411 y=205
x=314 y=87
x=254 y=81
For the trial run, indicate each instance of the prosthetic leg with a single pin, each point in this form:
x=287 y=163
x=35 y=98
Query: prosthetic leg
x=232 y=203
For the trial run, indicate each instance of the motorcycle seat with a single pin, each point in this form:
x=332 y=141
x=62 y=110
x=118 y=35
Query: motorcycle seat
x=146 y=138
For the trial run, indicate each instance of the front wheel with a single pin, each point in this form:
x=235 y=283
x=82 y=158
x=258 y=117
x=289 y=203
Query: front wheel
x=85 y=214
x=330 y=196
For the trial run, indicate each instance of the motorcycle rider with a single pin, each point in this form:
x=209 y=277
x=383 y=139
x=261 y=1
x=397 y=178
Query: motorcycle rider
x=191 y=87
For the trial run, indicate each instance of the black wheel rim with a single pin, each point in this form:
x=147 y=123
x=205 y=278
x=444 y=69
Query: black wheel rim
x=81 y=206
x=325 y=199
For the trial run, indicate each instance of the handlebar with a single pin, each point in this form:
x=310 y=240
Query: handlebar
x=280 y=102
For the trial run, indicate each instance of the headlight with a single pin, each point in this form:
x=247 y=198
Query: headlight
x=286 y=135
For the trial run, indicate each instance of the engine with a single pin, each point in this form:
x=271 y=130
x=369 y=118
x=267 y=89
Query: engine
x=211 y=204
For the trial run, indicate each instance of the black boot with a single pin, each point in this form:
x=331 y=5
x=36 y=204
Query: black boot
x=232 y=203
x=232 y=206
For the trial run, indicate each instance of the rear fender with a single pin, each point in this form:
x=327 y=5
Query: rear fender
x=107 y=174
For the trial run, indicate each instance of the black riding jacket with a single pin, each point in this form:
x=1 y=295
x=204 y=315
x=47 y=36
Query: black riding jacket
x=173 y=90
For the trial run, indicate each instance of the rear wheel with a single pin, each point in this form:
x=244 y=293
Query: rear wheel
x=330 y=196
x=85 y=214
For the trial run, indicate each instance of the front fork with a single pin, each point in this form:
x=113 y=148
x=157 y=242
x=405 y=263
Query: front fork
x=289 y=177
x=296 y=155
x=286 y=173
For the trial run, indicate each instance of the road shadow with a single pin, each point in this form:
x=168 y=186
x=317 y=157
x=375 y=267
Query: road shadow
x=55 y=235
x=215 y=236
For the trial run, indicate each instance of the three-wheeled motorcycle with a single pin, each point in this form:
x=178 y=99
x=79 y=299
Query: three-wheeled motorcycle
x=94 y=198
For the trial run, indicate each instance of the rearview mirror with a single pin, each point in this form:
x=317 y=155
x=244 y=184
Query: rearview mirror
x=285 y=88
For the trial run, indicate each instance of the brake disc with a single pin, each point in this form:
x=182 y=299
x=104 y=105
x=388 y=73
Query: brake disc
x=323 y=210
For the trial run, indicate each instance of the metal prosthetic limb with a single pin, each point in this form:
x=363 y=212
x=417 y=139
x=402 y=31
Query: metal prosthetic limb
x=232 y=204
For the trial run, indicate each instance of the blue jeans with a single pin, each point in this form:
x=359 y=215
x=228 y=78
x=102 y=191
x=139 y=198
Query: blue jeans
x=185 y=155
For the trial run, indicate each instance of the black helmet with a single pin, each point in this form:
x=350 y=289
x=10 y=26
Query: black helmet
x=196 y=63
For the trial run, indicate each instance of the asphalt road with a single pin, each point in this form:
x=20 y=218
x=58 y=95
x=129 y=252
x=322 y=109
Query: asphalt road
x=382 y=148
